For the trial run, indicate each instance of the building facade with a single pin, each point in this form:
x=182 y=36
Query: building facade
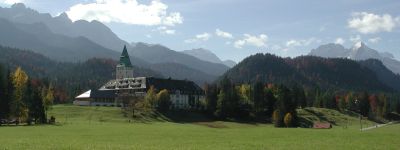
x=184 y=94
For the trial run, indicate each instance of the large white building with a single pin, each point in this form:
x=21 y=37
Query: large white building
x=184 y=94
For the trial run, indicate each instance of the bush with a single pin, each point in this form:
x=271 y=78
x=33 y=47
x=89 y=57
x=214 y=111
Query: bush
x=163 y=101
x=288 y=120
x=277 y=119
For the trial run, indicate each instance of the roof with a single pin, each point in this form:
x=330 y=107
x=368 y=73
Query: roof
x=173 y=85
x=144 y=83
x=321 y=125
x=84 y=95
x=125 y=83
x=124 y=59
x=103 y=94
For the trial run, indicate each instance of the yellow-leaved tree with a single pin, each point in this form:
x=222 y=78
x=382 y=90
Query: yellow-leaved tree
x=48 y=98
x=150 y=99
x=288 y=120
x=19 y=109
x=163 y=100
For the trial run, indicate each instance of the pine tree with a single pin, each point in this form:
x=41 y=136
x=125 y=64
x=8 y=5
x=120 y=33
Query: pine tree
x=4 y=101
x=270 y=99
x=364 y=105
x=211 y=93
x=258 y=99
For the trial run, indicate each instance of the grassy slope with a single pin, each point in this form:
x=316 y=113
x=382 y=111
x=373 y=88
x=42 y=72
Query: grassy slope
x=107 y=129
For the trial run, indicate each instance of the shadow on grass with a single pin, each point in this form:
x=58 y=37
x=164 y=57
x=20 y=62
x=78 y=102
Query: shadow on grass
x=320 y=116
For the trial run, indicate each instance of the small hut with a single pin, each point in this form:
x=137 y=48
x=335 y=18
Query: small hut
x=322 y=125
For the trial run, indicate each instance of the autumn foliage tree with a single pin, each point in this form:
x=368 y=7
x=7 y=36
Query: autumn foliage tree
x=20 y=98
x=288 y=120
x=163 y=101
x=18 y=107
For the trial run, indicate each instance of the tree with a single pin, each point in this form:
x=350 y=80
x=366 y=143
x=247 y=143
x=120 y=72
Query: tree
x=150 y=99
x=329 y=100
x=4 y=100
x=258 y=99
x=163 y=100
x=383 y=105
x=351 y=102
x=18 y=107
x=277 y=118
x=211 y=93
x=288 y=120
x=364 y=104
x=270 y=99
x=48 y=98
x=36 y=108
x=342 y=103
x=228 y=99
x=301 y=97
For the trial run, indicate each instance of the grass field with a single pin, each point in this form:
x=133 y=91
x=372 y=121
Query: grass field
x=106 y=128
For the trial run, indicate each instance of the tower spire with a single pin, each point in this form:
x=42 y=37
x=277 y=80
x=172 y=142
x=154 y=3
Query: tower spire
x=124 y=67
x=124 y=60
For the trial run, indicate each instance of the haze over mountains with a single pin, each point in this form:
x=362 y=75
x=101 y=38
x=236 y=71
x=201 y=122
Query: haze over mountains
x=61 y=39
x=360 y=51
x=207 y=55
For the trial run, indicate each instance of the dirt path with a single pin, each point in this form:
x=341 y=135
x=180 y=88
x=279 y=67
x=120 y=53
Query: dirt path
x=377 y=126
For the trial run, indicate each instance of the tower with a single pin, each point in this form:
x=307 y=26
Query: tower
x=124 y=67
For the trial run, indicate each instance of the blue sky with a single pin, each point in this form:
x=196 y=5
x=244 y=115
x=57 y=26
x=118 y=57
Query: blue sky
x=234 y=29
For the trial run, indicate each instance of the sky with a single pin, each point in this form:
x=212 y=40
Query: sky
x=235 y=29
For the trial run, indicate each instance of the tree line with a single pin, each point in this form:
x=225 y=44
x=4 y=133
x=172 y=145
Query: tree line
x=278 y=103
x=153 y=101
x=22 y=99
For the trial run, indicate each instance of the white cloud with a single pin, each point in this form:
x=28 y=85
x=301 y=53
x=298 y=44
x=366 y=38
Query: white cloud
x=199 y=37
x=374 y=40
x=223 y=34
x=125 y=11
x=293 y=43
x=367 y=23
x=340 y=41
x=304 y=42
x=355 y=39
x=11 y=2
x=173 y=18
x=205 y=36
x=169 y=32
x=165 y=30
x=257 y=41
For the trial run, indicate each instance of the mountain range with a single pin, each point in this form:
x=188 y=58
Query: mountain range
x=60 y=39
x=359 y=51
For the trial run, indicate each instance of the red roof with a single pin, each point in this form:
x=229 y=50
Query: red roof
x=321 y=125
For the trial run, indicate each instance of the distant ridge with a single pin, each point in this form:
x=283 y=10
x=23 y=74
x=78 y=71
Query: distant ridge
x=359 y=51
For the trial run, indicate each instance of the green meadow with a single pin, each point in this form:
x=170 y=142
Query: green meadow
x=106 y=128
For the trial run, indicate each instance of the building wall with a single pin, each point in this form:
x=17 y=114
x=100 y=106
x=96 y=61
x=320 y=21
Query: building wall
x=124 y=72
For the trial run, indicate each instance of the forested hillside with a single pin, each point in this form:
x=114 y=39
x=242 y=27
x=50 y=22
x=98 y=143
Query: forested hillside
x=336 y=73
x=69 y=78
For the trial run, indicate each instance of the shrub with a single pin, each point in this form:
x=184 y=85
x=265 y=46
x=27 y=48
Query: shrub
x=277 y=119
x=288 y=120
